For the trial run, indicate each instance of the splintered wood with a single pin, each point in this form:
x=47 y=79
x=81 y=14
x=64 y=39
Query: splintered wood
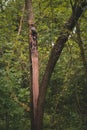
x=35 y=82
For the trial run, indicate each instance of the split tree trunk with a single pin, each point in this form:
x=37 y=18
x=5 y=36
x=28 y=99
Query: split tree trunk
x=34 y=63
x=38 y=109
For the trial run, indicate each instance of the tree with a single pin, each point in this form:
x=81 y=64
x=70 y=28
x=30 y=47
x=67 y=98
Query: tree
x=78 y=9
x=33 y=62
x=64 y=97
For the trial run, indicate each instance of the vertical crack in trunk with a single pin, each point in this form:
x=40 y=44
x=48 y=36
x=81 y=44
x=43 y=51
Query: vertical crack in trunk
x=54 y=56
x=34 y=63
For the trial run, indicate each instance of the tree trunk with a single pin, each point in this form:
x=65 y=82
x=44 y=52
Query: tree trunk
x=54 y=56
x=34 y=64
x=7 y=121
x=38 y=109
x=82 y=53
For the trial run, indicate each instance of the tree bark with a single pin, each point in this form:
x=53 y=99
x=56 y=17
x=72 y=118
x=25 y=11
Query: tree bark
x=54 y=56
x=34 y=63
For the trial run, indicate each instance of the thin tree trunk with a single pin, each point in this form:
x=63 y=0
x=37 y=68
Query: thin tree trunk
x=21 y=21
x=7 y=121
x=82 y=53
x=34 y=63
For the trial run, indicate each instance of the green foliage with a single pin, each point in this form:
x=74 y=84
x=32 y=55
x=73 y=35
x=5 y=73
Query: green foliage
x=66 y=99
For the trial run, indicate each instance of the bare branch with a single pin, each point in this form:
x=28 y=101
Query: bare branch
x=21 y=21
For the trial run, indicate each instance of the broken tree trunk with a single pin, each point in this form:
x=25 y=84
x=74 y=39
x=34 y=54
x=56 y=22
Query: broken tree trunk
x=54 y=56
x=34 y=63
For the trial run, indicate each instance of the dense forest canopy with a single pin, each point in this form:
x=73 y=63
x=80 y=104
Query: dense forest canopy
x=65 y=106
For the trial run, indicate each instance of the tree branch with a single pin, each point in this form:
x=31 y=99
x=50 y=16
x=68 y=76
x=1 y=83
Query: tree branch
x=23 y=105
x=21 y=20
x=82 y=53
x=54 y=56
x=58 y=47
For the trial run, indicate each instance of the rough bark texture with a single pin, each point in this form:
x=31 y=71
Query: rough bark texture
x=54 y=56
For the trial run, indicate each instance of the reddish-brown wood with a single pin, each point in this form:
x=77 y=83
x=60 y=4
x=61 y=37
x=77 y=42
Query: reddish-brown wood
x=38 y=102
x=34 y=62
x=35 y=77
